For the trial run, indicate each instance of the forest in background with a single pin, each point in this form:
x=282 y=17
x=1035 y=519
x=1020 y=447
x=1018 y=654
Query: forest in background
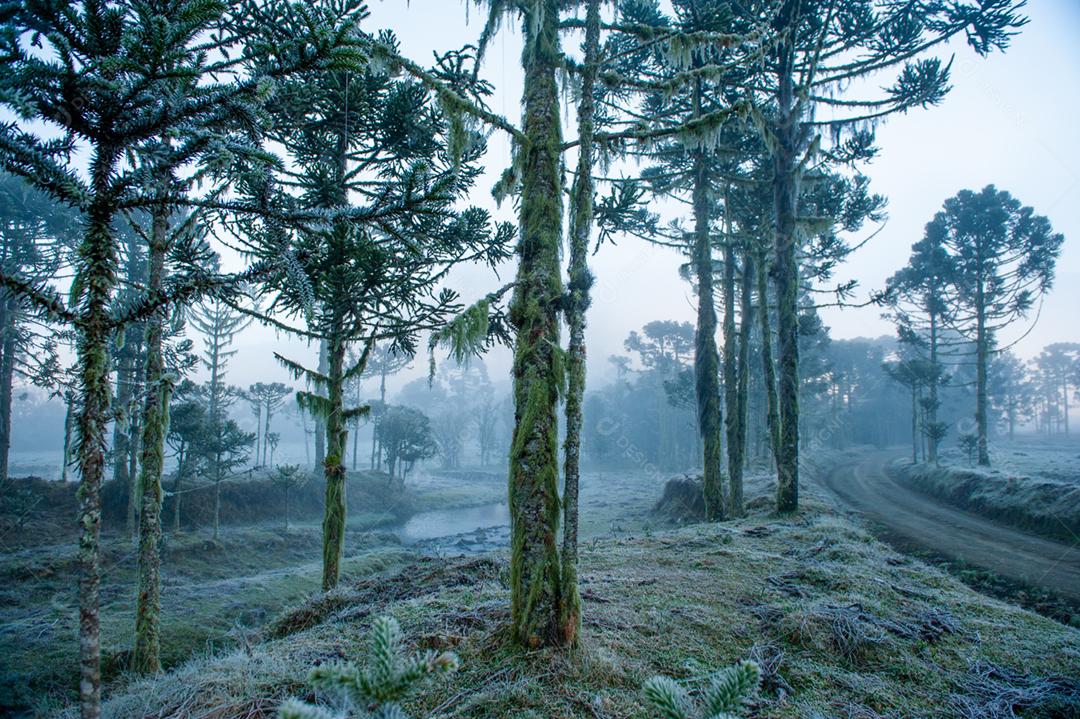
x=153 y=142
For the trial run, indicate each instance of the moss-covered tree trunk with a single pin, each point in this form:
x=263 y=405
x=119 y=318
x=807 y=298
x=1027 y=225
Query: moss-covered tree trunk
x=535 y=568
x=768 y=368
x=97 y=279
x=578 y=301
x=737 y=443
x=706 y=354
x=731 y=379
x=320 y=422
x=333 y=466
x=786 y=275
x=155 y=422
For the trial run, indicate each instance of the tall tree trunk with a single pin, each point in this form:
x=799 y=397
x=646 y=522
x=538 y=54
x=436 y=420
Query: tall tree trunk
x=121 y=445
x=738 y=441
x=69 y=425
x=147 y=656
x=535 y=569
x=731 y=381
x=768 y=369
x=578 y=301
x=180 y=468
x=266 y=434
x=320 y=423
x=215 y=411
x=1064 y=403
x=8 y=348
x=786 y=274
x=133 y=433
x=376 y=438
x=356 y=430
x=217 y=505
x=982 y=352
x=332 y=366
x=935 y=381
x=706 y=355
x=914 y=425
x=256 y=456
x=97 y=257
x=334 y=470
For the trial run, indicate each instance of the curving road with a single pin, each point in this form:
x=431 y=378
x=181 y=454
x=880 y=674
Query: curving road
x=864 y=485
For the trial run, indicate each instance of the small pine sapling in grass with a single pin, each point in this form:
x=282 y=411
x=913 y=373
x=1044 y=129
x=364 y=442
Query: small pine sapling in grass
x=375 y=690
x=969 y=442
x=289 y=477
x=723 y=695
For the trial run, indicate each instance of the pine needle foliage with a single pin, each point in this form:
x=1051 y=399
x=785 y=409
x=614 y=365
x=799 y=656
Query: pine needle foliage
x=722 y=697
x=376 y=689
x=368 y=210
x=86 y=87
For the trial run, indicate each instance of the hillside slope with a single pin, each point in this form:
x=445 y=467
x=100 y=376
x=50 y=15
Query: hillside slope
x=843 y=626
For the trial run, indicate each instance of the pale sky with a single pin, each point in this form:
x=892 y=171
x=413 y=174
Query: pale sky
x=1011 y=120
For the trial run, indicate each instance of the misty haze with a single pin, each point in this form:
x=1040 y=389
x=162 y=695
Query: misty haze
x=651 y=359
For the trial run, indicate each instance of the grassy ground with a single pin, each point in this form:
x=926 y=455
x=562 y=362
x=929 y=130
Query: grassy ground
x=1034 y=484
x=215 y=596
x=842 y=625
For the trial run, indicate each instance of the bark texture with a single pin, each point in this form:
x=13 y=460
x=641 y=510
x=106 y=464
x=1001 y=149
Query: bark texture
x=535 y=568
x=737 y=445
x=706 y=354
x=8 y=348
x=768 y=369
x=97 y=260
x=786 y=274
x=578 y=301
x=155 y=422
x=731 y=379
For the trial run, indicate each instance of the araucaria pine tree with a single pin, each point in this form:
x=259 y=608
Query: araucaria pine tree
x=376 y=689
x=723 y=695
x=36 y=235
x=1003 y=257
x=819 y=46
x=219 y=324
x=110 y=79
x=372 y=223
x=916 y=297
x=686 y=72
x=268 y=397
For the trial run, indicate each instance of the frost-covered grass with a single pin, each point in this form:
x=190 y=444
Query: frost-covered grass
x=215 y=595
x=1034 y=484
x=842 y=625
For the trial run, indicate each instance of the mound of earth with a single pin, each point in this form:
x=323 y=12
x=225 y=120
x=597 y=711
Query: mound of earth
x=683 y=501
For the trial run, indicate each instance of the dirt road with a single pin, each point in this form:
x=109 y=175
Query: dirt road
x=864 y=485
